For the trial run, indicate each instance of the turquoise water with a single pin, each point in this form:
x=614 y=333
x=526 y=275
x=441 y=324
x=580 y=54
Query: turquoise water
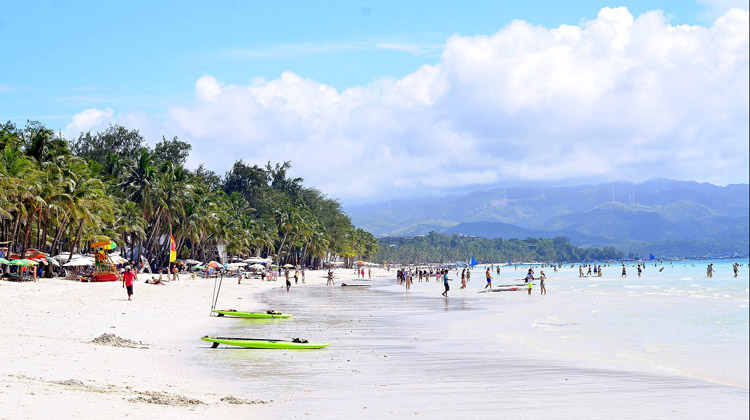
x=667 y=345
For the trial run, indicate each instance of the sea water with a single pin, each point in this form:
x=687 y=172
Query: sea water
x=669 y=344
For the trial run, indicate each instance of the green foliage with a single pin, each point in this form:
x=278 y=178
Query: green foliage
x=59 y=197
x=436 y=247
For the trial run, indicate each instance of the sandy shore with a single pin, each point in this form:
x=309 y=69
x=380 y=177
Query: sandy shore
x=52 y=368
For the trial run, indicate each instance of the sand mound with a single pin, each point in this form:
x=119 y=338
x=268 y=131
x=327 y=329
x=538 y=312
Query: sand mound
x=115 y=341
x=163 y=398
x=234 y=400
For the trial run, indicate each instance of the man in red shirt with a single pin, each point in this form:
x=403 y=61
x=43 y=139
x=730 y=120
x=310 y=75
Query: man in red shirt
x=127 y=280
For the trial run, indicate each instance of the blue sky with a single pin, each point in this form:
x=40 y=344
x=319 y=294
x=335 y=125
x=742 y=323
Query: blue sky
x=139 y=63
x=66 y=56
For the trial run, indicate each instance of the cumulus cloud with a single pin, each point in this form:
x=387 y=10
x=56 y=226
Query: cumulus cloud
x=617 y=98
x=88 y=119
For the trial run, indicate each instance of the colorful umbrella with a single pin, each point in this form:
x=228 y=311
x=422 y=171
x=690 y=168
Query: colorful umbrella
x=4 y=261
x=214 y=264
x=104 y=244
x=288 y=266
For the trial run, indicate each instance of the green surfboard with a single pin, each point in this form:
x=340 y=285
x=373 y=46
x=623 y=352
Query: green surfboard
x=268 y=314
x=258 y=343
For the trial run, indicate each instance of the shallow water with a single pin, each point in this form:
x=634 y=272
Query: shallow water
x=659 y=346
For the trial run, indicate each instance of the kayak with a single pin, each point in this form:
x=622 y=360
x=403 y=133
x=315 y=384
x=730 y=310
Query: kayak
x=267 y=314
x=259 y=343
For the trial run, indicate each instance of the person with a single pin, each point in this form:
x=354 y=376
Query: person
x=529 y=277
x=542 y=288
x=296 y=276
x=239 y=276
x=639 y=270
x=446 y=280
x=588 y=273
x=330 y=278
x=599 y=273
x=127 y=281
x=580 y=271
x=735 y=268
x=624 y=273
x=175 y=273
x=530 y=284
x=369 y=274
x=303 y=275
x=288 y=283
x=468 y=275
x=407 y=279
x=710 y=270
x=463 y=279
x=489 y=278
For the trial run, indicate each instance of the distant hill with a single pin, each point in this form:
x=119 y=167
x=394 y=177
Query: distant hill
x=668 y=217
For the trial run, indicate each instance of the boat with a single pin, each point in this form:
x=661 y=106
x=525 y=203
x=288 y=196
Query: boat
x=261 y=343
x=267 y=314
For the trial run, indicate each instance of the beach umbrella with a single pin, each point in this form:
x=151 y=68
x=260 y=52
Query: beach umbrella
x=214 y=264
x=53 y=261
x=236 y=264
x=360 y=262
x=19 y=262
x=199 y=267
x=4 y=261
x=64 y=257
x=80 y=262
x=31 y=262
x=190 y=262
x=288 y=266
x=257 y=266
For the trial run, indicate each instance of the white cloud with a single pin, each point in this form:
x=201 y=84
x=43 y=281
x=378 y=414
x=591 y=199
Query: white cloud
x=88 y=119
x=616 y=98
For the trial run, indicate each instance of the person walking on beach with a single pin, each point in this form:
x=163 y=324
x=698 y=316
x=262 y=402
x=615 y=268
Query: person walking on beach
x=175 y=273
x=489 y=279
x=330 y=279
x=580 y=271
x=624 y=273
x=735 y=268
x=542 y=278
x=639 y=270
x=296 y=276
x=446 y=280
x=463 y=279
x=288 y=283
x=127 y=281
x=710 y=270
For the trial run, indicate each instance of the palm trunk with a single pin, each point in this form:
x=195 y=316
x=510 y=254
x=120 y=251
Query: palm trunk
x=78 y=239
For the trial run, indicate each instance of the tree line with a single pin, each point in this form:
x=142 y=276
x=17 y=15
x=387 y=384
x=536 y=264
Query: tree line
x=59 y=196
x=439 y=248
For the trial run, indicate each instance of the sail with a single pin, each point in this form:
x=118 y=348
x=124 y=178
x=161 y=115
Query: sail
x=651 y=256
x=473 y=261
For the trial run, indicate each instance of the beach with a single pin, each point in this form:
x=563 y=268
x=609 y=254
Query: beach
x=592 y=348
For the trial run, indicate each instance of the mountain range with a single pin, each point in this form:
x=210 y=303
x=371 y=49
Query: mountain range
x=668 y=218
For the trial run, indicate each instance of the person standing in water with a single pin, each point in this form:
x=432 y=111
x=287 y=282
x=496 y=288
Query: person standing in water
x=624 y=273
x=542 y=278
x=446 y=280
x=489 y=278
x=330 y=279
x=463 y=279
x=735 y=268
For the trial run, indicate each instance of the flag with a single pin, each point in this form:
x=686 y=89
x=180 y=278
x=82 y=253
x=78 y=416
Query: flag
x=172 y=249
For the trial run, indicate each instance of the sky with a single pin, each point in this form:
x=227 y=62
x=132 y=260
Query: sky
x=378 y=100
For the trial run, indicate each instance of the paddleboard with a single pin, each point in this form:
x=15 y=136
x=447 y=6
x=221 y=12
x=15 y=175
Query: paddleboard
x=267 y=314
x=257 y=343
x=501 y=289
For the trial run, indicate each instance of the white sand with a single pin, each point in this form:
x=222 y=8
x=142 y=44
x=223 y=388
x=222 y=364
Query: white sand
x=51 y=368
